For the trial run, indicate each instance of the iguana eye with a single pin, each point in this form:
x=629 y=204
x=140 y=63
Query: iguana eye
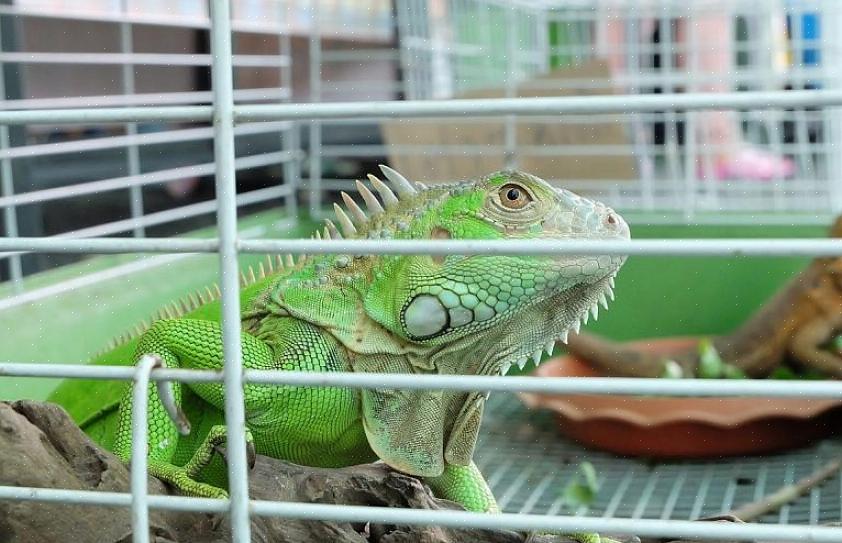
x=514 y=196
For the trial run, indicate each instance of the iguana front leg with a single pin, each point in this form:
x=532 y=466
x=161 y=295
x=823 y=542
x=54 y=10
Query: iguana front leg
x=183 y=343
x=806 y=344
x=466 y=486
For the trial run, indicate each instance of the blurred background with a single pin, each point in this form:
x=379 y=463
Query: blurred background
x=153 y=178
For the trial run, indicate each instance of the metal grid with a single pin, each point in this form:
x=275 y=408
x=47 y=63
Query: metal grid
x=224 y=114
x=120 y=23
x=651 y=47
x=521 y=453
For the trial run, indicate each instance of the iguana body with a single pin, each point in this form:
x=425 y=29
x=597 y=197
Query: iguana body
x=392 y=314
x=796 y=324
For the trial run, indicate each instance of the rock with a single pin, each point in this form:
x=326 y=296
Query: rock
x=41 y=447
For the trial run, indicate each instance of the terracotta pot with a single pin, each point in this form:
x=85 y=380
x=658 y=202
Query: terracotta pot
x=682 y=427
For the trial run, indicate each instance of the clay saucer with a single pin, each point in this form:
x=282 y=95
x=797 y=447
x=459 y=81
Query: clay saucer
x=682 y=427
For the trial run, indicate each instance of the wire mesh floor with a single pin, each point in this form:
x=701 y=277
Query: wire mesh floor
x=528 y=464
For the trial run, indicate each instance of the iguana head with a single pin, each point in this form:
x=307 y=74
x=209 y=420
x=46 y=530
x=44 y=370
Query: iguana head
x=457 y=314
x=495 y=310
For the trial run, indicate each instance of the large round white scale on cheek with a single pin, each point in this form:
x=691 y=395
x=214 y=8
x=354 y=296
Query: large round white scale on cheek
x=425 y=316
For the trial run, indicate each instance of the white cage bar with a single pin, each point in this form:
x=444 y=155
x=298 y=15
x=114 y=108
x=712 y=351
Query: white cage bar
x=224 y=114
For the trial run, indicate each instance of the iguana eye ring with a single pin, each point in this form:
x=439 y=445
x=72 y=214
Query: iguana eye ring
x=514 y=196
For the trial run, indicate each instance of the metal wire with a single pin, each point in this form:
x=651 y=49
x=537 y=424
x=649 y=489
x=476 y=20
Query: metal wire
x=226 y=218
x=653 y=247
x=547 y=385
x=453 y=519
x=139 y=448
x=224 y=114
x=440 y=108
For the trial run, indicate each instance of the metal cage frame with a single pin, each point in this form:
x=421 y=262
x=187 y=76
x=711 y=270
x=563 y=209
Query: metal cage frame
x=225 y=115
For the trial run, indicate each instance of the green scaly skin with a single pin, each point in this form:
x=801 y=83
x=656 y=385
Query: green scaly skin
x=472 y=315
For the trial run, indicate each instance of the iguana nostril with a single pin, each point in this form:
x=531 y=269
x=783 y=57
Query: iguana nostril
x=611 y=219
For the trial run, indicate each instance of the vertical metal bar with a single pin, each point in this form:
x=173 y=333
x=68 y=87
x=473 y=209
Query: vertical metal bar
x=315 y=155
x=691 y=124
x=634 y=33
x=226 y=189
x=511 y=158
x=132 y=150
x=830 y=42
x=7 y=188
x=289 y=138
x=140 y=438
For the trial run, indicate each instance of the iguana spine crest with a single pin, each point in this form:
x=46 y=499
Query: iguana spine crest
x=280 y=264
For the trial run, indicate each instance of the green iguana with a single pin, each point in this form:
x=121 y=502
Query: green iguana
x=474 y=315
x=796 y=324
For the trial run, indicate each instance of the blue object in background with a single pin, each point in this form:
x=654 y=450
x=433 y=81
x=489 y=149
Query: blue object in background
x=811 y=30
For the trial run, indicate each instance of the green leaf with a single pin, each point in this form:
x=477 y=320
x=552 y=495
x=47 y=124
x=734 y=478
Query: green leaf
x=730 y=371
x=710 y=365
x=587 y=469
x=583 y=488
x=577 y=494
x=783 y=372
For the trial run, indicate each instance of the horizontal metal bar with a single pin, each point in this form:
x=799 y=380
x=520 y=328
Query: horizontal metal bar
x=110 y=499
x=146 y=138
x=544 y=385
x=360 y=55
x=651 y=247
x=140 y=265
x=108 y=115
x=148 y=178
x=109 y=246
x=540 y=106
x=148 y=59
x=703 y=530
x=141 y=99
x=171 y=215
x=444 y=108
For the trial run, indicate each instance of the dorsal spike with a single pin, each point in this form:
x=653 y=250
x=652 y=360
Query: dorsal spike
x=402 y=185
x=269 y=264
x=331 y=228
x=290 y=261
x=251 y=277
x=210 y=294
x=301 y=259
x=279 y=261
x=217 y=290
x=243 y=281
x=261 y=271
x=326 y=234
x=184 y=306
x=194 y=299
x=317 y=235
x=202 y=298
x=356 y=211
x=371 y=201
x=389 y=198
x=348 y=229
